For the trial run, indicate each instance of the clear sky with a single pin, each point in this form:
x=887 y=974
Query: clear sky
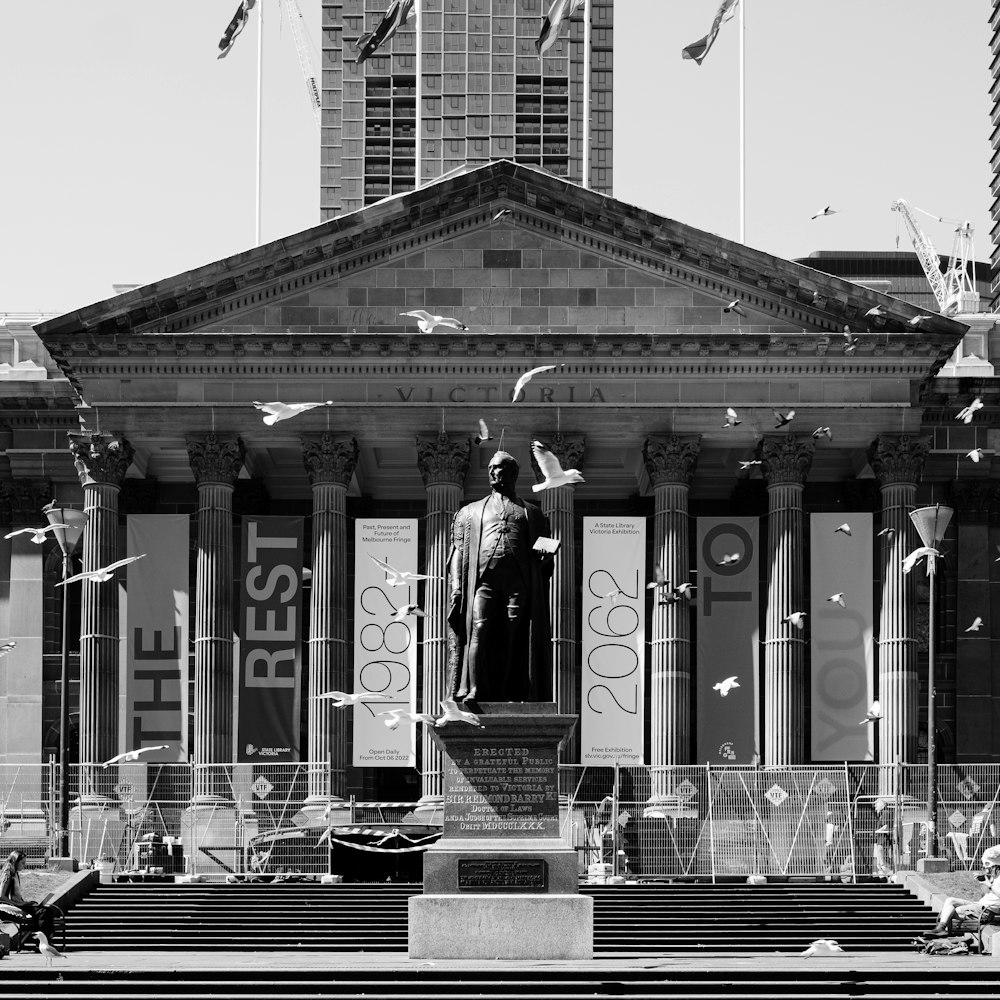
x=130 y=149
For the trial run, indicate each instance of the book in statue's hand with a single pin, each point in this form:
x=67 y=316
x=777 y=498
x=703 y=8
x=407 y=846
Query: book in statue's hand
x=545 y=544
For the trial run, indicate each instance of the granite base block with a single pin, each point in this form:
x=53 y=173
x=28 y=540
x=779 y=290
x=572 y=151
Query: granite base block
x=488 y=926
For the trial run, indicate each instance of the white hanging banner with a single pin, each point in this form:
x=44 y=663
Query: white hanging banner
x=613 y=640
x=385 y=647
x=841 y=638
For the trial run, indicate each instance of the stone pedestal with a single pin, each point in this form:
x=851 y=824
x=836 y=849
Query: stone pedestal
x=501 y=883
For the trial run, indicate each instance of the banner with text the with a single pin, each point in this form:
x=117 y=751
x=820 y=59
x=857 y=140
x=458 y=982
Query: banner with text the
x=154 y=606
x=269 y=665
x=385 y=641
x=841 y=633
x=613 y=640
x=728 y=649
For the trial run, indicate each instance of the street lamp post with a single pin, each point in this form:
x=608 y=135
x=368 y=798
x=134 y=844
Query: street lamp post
x=931 y=523
x=68 y=525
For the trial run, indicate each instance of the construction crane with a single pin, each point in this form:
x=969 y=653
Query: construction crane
x=297 y=24
x=954 y=289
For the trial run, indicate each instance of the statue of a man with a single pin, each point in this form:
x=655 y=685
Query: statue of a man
x=498 y=596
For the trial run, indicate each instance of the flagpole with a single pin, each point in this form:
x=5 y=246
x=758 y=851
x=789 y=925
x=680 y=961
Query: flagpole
x=586 y=93
x=260 y=109
x=743 y=149
x=417 y=22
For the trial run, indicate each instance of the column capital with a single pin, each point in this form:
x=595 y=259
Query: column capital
x=329 y=460
x=568 y=449
x=786 y=459
x=671 y=459
x=216 y=460
x=101 y=458
x=443 y=460
x=26 y=498
x=897 y=458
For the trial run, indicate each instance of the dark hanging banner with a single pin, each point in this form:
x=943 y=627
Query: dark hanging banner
x=270 y=629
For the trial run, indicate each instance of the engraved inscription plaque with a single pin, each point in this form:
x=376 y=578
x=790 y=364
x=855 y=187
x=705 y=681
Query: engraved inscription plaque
x=495 y=875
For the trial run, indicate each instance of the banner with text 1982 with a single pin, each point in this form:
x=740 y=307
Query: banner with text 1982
x=613 y=640
x=154 y=605
x=728 y=640
x=270 y=630
x=385 y=646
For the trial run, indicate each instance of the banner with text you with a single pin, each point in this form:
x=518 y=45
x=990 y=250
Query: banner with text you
x=270 y=631
x=385 y=647
x=613 y=640
x=154 y=607
x=728 y=640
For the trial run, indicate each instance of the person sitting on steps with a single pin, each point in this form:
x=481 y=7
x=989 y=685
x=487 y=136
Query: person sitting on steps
x=956 y=909
x=34 y=914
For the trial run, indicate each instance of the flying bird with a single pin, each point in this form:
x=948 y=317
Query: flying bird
x=724 y=687
x=796 y=618
x=685 y=590
x=133 y=754
x=409 y=609
x=49 y=951
x=7 y=647
x=850 y=341
x=400 y=577
x=341 y=698
x=918 y=321
x=877 y=312
x=837 y=599
x=284 y=411
x=398 y=715
x=393 y=19
x=731 y=418
x=37 y=534
x=550 y=468
x=916 y=555
x=823 y=432
x=103 y=574
x=824 y=946
x=976 y=625
x=824 y=211
x=736 y=306
x=967 y=412
x=886 y=533
x=976 y=454
x=502 y=214
x=728 y=560
x=844 y=529
x=484 y=433
x=428 y=322
x=747 y=465
x=873 y=714
x=659 y=580
x=527 y=377
x=783 y=418
x=452 y=713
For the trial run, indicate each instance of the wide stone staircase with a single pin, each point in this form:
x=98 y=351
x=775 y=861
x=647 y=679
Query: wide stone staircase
x=653 y=918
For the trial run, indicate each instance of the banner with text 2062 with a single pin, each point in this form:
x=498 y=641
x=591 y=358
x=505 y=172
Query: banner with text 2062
x=613 y=640
x=270 y=630
x=385 y=646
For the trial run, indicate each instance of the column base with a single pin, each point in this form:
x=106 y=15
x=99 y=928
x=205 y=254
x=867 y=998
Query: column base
x=494 y=926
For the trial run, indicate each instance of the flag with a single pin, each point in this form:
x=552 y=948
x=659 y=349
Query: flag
x=559 y=10
x=235 y=26
x=393 y=19
x=699 y=49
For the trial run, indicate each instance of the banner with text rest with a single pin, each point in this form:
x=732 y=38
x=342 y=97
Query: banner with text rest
x=726 y=680
x=154 y=608
x=385 y=642
x=270 y=629
x=613 y=640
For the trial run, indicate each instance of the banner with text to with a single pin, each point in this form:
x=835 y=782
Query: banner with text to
x=728 y=651
x=154 y=605
x=269 y=666
x=385 y=641
x=613 y=640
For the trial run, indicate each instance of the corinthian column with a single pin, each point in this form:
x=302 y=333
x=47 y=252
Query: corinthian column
x=101 y=462
x=216 y=463
x=564 y=597
x=786 y=461
x=330 y=465
x=897 y=463
x=670 y=465
x=443 y=465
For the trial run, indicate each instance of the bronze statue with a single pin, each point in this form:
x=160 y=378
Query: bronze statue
x=500 y=648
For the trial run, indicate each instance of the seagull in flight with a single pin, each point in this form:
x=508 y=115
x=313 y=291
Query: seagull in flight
x=400 y=577
x=873 y=714
x=427 y=322
x=484 y=433
x=49 y=951
x=659 y=580
x=728 y=560
x=976 y=625
x=724 y=687
x=916 y=555
x=877 y=312
x=527 y=377
x=968 y=412
x=886 y=533
x=824 y=211
x=37 y=534
x=796 y=618
x=837 y=599
x=502 y=214
x=732 y=419
x=918 y=321
x=409 y=609
x=7 y=647
x=341 y=699
x=850 y=341
x=823 y=946
x=976 y=454
x=823 y=432
x=750 y=464
x=103 y=574
x=736 y=306
x=783 y=418
x=398 y=715
x=452 y=713
x=844 y=529
x=284 y=411
x=550 y=468
x=133 y=754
